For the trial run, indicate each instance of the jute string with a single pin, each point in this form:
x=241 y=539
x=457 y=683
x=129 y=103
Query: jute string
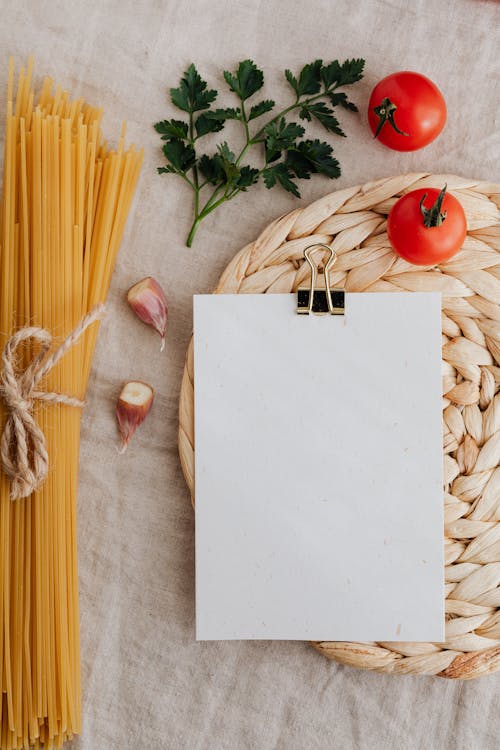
x=23 y=448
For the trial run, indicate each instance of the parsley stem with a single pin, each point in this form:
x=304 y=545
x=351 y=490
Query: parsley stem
x=212 y=197
x=196 y=186
x=192 y=231
x=243 y=151
x=207 y=209
x=245 y=121
x=186 y=179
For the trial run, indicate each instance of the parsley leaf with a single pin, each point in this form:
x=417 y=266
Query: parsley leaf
x=221 y=167
x=279 y=136
x=261 y=108
x=293 y=83
x=247 y=80
x=215 y=169
x=310 y=157
x=309 y=81
x=192 y=94
x=280 y=173
x=205 y=124
x=228 y=162
x=338 y=97
x=172 y=129
x=213 y=120
x=211 y=168
x=324 y=115
x=343 y=75
x=181 y=156
x=330 y=74
x=225 y=152
x=247 y=176
x=230 y=113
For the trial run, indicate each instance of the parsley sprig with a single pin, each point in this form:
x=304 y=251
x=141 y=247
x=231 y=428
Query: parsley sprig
x=286 y=155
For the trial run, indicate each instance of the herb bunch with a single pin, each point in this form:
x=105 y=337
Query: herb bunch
x=286 y=156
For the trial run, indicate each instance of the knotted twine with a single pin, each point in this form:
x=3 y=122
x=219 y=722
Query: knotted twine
x=23 y=448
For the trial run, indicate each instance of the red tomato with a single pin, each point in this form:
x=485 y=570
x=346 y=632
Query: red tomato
x=427 y=226
x=406 y=111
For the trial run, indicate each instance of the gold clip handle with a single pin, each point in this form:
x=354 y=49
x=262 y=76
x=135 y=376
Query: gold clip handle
x=314 y=272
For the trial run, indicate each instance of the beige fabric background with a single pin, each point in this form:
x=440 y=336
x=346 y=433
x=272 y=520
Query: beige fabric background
x=147 y=683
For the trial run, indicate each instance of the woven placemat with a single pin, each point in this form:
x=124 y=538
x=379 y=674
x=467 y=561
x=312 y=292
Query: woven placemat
x=353 y=221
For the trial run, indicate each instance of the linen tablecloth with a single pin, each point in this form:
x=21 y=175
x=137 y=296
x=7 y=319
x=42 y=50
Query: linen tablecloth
x=146 y=682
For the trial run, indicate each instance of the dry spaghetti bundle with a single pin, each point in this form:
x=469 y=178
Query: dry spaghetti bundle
x=65 y=200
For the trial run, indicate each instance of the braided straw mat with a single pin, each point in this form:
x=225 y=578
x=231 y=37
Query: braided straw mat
x=353 y=221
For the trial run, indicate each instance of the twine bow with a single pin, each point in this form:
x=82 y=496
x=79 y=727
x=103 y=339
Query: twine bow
x=23 y=448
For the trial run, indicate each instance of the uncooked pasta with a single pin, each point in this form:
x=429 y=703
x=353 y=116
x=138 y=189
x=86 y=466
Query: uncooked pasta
x=66 y=196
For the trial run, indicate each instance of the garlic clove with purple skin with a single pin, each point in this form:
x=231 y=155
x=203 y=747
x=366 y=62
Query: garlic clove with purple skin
x=147 y=300
x=133 y=405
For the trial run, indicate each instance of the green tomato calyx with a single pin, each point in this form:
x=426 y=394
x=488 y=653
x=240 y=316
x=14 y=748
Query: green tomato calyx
x=385 y=113
x=433 y=217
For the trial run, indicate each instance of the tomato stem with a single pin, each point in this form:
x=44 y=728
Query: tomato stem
x=385 y=113
x=433 y=217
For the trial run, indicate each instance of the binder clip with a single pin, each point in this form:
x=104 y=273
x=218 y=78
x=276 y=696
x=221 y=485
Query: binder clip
x=320 y=298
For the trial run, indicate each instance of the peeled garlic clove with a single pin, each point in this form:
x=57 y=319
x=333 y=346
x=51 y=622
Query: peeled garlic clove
x=147 y=300
x=132 y=408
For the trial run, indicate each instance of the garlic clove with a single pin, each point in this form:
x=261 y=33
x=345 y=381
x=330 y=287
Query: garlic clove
x=147 y=300
x=132 y=408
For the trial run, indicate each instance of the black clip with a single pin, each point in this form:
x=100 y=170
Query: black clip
x=319 y=300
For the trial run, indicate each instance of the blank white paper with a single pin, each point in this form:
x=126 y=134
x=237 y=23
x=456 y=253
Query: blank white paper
x=318 y=469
